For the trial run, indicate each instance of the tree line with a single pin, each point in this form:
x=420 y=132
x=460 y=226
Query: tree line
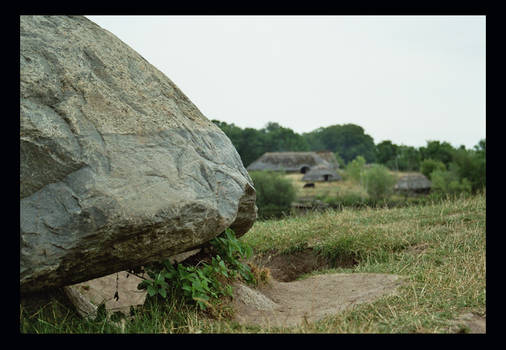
x=349 y=141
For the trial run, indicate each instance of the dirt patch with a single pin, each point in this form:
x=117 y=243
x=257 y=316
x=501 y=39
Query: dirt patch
x=288 y=304
x=469 y=323
x=417 y=249
x=288 y=267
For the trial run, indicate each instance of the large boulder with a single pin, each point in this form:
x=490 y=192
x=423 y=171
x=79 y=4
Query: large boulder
x=118 y=168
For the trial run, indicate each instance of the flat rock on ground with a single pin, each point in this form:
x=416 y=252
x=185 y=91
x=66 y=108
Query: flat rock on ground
x=288 y=304
x=88 y=296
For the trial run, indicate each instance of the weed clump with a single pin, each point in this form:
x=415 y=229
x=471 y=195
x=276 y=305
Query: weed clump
x=203 y=284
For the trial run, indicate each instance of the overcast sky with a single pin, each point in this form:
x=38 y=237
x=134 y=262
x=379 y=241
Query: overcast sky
x=407 y=79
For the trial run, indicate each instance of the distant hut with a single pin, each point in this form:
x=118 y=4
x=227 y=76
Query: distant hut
x=321 y=173
x=291 y=162
x=329 y=157
x=413 y=183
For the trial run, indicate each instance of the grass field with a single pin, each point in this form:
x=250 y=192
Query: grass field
x=332 y=188
x=324 y=188
x=439 y=248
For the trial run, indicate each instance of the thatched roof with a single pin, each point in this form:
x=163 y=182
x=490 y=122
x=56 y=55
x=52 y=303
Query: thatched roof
x=413 y=182
x=329 y=157
x=321 y=173
x=288 y=161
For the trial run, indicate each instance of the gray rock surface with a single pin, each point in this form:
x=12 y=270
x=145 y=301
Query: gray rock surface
x=88 y=296
x=118 y=168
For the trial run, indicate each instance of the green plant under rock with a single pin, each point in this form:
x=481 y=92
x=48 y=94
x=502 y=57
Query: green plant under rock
x=202 y=284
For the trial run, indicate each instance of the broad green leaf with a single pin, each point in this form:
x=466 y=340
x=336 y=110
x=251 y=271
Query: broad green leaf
x=151 y=291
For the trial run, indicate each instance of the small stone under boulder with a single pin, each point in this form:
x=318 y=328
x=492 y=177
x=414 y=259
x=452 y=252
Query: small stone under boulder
x=88 y=296
x=118 y=168
x=118 y=292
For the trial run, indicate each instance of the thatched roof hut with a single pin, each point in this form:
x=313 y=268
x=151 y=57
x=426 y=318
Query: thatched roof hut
x=329 y=157
x=321 y=173
x=413 y=183
x=299 y=162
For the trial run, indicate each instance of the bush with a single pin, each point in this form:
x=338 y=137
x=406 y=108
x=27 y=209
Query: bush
x=355 y=169
x=448 y=182
x=470 y=165
x=378 y=182
x=275 y=194
x=429 y=165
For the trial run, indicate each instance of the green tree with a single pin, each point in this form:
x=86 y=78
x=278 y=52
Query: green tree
x=470 y=165
x=378 y=182
x=436 y=150
x=348 y=140
x=407 y=159
x=281 y=139
x=429 y=165
x=481 y=147
x=386 y=153
x=313 y=140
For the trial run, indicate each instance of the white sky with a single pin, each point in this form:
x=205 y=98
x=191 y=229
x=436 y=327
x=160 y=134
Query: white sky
x=407 y=79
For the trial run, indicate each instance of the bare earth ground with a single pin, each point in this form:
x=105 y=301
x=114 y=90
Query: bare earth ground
x=286 y=304
x=290 y=304
x=469 y=323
